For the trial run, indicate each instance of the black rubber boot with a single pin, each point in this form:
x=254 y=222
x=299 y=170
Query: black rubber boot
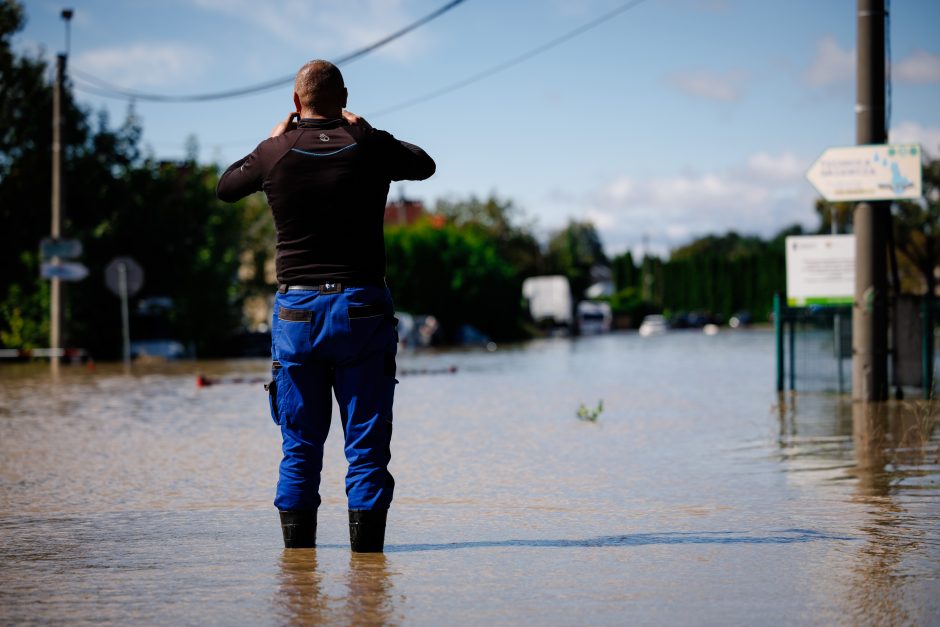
x=300 y=529
x=367 y=530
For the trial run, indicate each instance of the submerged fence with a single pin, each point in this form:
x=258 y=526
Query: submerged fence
x=814 y=346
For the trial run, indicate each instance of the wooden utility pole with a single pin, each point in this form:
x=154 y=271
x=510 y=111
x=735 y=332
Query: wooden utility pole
x=871 y=219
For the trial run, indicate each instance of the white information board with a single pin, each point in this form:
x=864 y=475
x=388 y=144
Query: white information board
x=820 y=270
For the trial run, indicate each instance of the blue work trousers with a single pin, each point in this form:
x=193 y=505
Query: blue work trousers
x=342 y=343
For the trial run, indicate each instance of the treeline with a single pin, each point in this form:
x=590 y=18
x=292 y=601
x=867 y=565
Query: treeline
x=118 y=201
x=466 y=260
x=715 y=276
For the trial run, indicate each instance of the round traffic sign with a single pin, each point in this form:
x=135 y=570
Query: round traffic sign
x=132 y=273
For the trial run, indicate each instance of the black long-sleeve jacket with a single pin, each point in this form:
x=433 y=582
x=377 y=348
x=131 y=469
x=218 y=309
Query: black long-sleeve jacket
x=327 y=184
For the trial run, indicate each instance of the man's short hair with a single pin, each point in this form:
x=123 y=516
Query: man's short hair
x=319 y=84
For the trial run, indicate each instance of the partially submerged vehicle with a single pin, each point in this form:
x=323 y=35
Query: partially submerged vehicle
x=653 y=325
x=594 y=317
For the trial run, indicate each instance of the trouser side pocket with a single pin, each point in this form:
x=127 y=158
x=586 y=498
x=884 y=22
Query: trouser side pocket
x=271 y=388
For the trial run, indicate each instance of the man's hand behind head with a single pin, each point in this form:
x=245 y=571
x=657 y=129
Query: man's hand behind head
x=354 y=120
x=286 y=125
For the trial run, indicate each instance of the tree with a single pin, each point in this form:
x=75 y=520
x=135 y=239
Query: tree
x=573 y=251
x=458 y=275
x=25 y=166
x=626 y=274
x=502 y=221
x=722 y=274
x=116 y=203
x=842 y=211
x=917 y=229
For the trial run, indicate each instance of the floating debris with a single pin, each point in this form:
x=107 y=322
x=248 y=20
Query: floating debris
x=590 y=415
x=203 y=381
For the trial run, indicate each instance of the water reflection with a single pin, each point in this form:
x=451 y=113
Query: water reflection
x=300 y=599
x=309 y=594
x=889 y=439
x=369 y=590
x=890 y=451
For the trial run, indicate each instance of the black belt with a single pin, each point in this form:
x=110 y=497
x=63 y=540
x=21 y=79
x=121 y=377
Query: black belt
x=333 y=287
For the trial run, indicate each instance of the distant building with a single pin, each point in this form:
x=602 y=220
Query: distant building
x=403 y=212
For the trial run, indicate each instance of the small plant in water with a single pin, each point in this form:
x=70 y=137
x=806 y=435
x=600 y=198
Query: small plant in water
x=590 y=415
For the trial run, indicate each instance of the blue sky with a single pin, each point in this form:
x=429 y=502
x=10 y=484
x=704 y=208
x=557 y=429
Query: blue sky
x=674 y=119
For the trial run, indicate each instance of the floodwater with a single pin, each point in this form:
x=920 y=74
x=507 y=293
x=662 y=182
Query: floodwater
x=697 y=497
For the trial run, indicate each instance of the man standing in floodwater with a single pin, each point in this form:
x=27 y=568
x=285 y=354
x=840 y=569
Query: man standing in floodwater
x=326 y=175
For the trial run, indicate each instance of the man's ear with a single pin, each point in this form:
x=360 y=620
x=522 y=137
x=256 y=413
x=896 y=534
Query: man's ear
x=297 y=102
x=345 y=97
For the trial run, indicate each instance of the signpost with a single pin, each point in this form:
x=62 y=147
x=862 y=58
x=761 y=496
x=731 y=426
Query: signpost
x=53 y=251
x=69 y=271
x=866 y=173
x=871 y=172
x=51 y=247
x=124 y=277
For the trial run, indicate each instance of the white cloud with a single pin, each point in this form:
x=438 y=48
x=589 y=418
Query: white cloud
x=144 y=64
x=601 y=219
x=921 y=67
x=782 y=168
x=834 y=65
x=762 y=195
x=723 y=87
x=620 y=189
x=327 y=27
x=913 y=133
x=831 y=65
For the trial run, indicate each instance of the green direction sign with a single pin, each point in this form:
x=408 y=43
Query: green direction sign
x=61 y=248
x=69 y=271
x=870 y=172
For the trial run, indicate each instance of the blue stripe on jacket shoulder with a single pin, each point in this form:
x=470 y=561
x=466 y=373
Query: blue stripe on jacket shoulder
x=322 y=154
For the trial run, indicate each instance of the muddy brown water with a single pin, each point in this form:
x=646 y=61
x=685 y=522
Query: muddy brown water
x=698 y=496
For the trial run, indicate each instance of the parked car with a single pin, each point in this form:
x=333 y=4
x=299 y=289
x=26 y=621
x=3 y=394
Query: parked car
x=740 y=319
x=594 y=317
x=653 y=325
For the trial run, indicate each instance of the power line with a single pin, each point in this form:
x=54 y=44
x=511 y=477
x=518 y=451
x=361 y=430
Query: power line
x=100 y=87
x=505 y=65
x=499 y=67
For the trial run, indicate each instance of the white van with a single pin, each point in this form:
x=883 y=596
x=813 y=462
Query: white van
x=549 y=299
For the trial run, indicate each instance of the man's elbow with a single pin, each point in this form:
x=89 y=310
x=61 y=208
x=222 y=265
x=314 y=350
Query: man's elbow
x=226 y=192
x=427 y=169
x=222 y=194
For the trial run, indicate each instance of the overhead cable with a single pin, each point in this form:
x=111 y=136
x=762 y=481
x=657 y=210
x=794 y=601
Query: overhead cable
x=505 y=65
x=100 y=87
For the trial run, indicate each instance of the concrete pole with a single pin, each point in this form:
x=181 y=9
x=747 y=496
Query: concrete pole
x=871 y=220
x=55 y=295
x=125 y=318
